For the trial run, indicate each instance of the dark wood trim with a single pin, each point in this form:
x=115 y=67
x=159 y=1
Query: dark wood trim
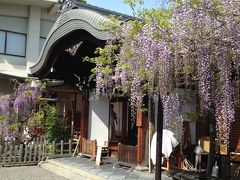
x=140 y=136
x=84 y=120
x=140 y=145
x=139 y=118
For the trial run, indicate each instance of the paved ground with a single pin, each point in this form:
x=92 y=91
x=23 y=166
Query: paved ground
x=73 y=167
x=27 y=173
x=90 y=170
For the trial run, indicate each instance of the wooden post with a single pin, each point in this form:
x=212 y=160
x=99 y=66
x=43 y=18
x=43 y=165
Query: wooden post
x=76 y=148
x=5 y=154
x=158 y=172
x=15 y=153
x=25 y=154
x=53 y=148
x=61 y=147
x=43 y=148
x=70 y=146
x=140 y=135
x=10 y=153
x=84 y=119
x=35 y=152
x=99 y=154
x=37 y=140
x=1 y=148
x=94 y=148
x=30 y=154
x=20 y=153
x=39 y=152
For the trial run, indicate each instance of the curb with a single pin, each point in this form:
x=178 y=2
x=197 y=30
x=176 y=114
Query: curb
x=69 y=169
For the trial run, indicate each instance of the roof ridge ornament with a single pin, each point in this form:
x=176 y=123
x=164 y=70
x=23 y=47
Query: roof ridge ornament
x=66 y=5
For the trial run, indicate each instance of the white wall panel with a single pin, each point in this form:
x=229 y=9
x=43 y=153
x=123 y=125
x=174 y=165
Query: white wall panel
x=13 y=10
x=45 y=27
x=12 y=60
x=98 y=119
x=15 y=24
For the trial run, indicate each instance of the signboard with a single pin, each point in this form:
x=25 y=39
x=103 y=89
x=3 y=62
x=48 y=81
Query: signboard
x=99 y=154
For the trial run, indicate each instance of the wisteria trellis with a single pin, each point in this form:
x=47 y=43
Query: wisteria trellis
x=197 y=39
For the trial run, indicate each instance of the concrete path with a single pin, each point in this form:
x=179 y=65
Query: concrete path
x=27 y=173
x=75 y=168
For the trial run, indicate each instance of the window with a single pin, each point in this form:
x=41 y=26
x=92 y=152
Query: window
x=16 y=44
x=41 y=43
x=12 y=43
x=2 y=41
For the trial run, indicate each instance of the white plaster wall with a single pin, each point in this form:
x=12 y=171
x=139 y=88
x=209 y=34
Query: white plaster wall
x=13 y=10
x=15 y=24
x=33 y=20
x=98 y=119
x=12 y=60
x=45 y=27
x=32 y=49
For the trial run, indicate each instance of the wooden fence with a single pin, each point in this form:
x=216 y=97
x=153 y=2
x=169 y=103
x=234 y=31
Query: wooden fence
x=12 y=154
x=89 y=148
x=61 y=149
x=127 y=154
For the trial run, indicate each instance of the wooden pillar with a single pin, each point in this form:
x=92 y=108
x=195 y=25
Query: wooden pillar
x=142 y=132
x=84 y=119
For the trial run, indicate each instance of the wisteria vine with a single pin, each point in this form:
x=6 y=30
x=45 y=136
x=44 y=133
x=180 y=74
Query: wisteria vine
x=196 y=41
x=17 y=111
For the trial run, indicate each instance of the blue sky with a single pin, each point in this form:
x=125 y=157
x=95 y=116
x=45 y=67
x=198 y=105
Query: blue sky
x=119 y=6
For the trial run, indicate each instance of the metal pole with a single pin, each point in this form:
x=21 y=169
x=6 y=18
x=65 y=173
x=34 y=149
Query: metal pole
x=158 y=172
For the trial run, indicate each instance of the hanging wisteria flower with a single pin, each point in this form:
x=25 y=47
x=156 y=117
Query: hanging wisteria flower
x=172 y=119
x=16 y=109
x=195 y=44
x=4 y=104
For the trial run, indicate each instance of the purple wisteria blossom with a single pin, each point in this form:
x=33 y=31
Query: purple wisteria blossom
x=14 y=108
x=198 y=42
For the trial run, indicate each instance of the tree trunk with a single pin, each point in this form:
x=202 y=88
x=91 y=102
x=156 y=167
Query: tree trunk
x=212 y=134
x=158 y=172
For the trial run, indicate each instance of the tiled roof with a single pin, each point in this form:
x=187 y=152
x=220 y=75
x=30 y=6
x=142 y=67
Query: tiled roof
x=103 y=11
x=77 y=16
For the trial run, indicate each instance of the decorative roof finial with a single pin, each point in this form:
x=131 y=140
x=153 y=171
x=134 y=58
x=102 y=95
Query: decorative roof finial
x=65 y=5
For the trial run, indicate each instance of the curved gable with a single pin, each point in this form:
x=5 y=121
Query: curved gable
x=72 y=20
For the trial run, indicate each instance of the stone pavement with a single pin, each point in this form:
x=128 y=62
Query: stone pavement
x=73 y=167
x=27 y=173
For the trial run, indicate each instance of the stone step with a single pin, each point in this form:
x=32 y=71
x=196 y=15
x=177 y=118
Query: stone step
x=67 y=171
